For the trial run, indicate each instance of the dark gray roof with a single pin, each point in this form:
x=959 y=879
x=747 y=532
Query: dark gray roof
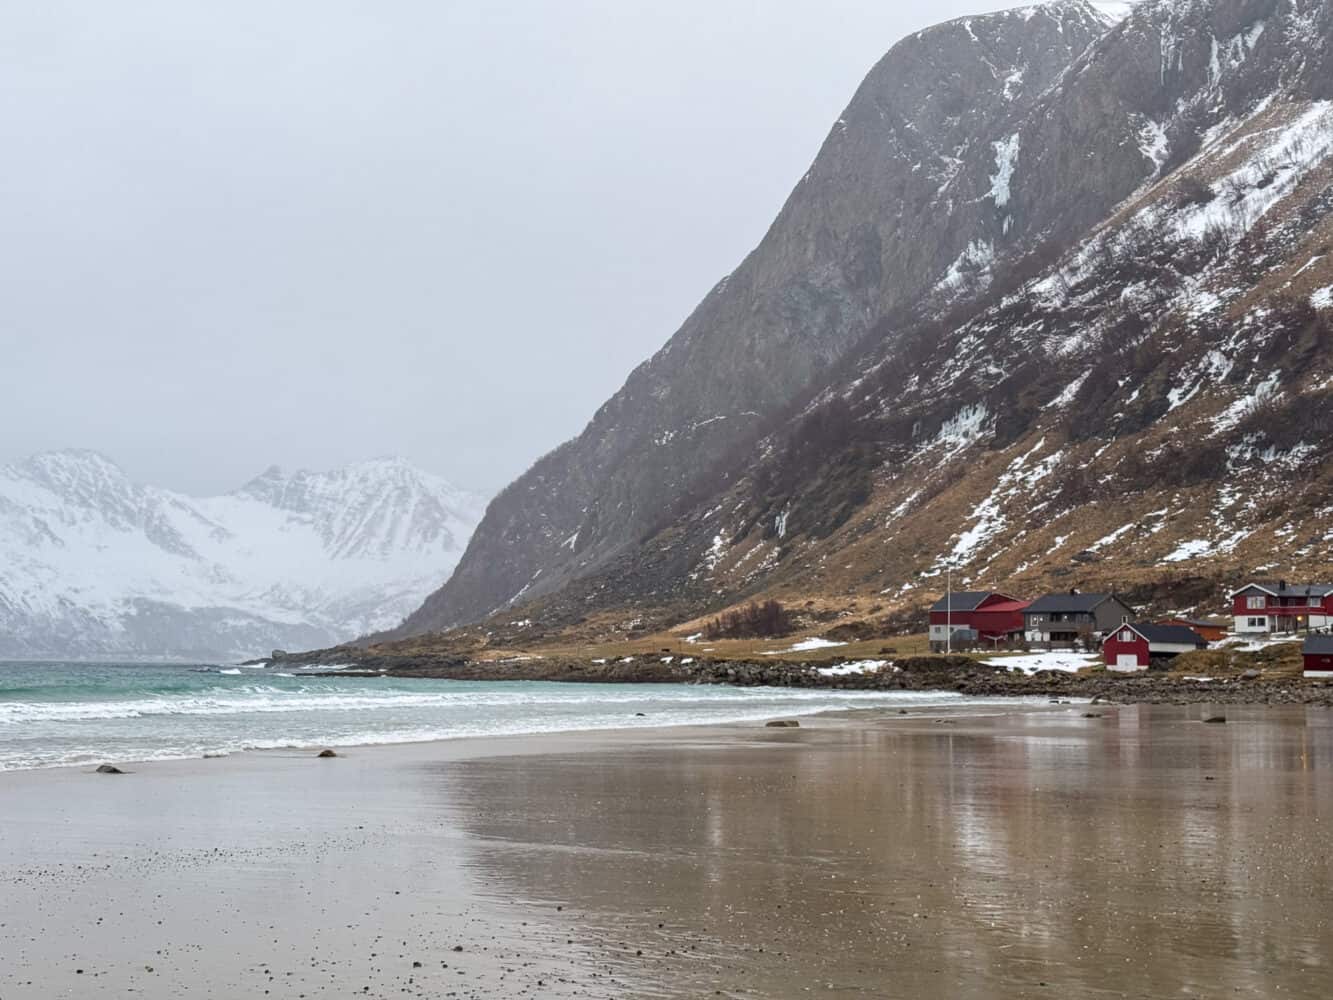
x=1284 y=589
x=1169 y=634
x=1066 y=603
x=961 y=600
x=1164 y=634
x=1320 y=644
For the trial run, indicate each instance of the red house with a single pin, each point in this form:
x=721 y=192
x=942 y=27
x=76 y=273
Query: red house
x=1282 y=607
x=1318 y=654
x=1132 y=647
x=975 y=616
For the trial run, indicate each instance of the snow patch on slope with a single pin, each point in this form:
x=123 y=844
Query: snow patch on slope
x=1006 y=163
x=1268 y=175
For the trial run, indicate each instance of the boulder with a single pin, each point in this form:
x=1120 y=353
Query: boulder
x=109 y=769
x=326 y=753
x=1250 y=675
x=1214 y=718
x=783 y=724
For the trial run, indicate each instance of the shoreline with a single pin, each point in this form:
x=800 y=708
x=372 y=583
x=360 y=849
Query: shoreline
x=620 y=731
x=958 y=674
x=985 y=850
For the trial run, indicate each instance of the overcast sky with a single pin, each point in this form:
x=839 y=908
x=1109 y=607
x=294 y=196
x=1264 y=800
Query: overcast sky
x=313 y=231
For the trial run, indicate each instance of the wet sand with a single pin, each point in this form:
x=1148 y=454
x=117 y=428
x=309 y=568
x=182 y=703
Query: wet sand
x=975 y=854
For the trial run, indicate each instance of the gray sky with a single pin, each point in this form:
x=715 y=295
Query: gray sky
x=315 y=231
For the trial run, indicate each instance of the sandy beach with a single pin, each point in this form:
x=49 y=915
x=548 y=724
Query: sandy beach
x=975 y=853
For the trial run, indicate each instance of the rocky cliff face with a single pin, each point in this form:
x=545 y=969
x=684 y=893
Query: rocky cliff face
x=1052 y=306
x=95 y=565
x=889 y=211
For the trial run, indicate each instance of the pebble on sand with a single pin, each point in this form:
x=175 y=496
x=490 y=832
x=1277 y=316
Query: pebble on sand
x=326 y=753
x=783 y=724
x=109 y=769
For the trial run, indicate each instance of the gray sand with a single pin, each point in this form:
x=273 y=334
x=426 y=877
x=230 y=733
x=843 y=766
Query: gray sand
x=1141 y=854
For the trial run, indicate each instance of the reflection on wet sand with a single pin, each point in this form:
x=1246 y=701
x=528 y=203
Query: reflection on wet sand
x=1141 y=853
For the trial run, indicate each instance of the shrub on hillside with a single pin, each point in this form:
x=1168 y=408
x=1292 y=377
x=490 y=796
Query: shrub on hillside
x=754 y=621
x=1193 y=190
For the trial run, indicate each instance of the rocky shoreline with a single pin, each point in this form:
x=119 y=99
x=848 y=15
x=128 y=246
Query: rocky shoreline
x=924 y=673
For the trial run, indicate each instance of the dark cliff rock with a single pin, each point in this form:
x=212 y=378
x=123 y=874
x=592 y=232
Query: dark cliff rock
x=862 y=234
x=1053 y=303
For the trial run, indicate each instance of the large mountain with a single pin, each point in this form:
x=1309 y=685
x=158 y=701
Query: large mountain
x=95 y=565
x=1051 y=305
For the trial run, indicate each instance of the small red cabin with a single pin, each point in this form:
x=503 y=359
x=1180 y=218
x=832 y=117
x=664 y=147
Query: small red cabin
x=1132 y=647
x=976 y=616
x=1318 y=655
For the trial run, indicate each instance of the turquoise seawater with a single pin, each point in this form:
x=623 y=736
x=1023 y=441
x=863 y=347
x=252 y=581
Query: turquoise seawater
x=55 y=714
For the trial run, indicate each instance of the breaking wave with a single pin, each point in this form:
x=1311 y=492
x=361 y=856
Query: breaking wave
x=52 y=715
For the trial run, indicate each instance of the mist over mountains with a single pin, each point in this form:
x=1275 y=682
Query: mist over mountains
x=93 y=565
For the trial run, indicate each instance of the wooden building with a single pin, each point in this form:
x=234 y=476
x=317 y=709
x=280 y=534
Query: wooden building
x=1133 y=647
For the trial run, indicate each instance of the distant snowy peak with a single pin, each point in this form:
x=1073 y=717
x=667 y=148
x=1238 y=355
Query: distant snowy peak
x=92 y=563
x=373 y=508
x=1115 y=11
x=79 y=477
x=71 y=469
x=81 y=487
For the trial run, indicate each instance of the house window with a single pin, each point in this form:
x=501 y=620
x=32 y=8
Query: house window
x=1258 y=622
x=1254 y=602
x=1127 y=636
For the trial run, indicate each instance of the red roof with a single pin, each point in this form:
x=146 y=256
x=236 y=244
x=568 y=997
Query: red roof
x=1002 y=606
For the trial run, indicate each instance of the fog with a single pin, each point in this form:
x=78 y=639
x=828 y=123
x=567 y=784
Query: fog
x=312 y=232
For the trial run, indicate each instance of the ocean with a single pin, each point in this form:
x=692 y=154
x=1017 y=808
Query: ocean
x=54 y=714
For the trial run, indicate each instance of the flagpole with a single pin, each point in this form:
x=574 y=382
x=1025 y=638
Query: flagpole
x=948 y=608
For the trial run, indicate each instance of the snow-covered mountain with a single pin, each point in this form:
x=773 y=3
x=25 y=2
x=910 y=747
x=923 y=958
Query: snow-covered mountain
x=95 y=565
x=1053 y=306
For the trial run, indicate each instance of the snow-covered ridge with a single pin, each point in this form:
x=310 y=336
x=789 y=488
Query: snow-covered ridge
x=1115 y=11
x=94 y=564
